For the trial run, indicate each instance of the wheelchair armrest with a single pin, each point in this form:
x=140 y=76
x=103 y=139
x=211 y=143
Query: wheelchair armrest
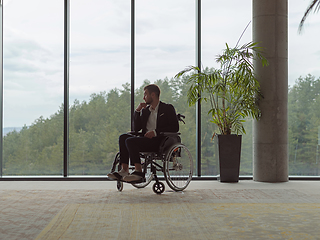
x=166 y=134
x=170 y=134
x=133 y=133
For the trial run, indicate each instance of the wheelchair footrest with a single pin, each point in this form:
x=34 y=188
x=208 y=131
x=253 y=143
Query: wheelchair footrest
x=131 y=182
x=142 y=180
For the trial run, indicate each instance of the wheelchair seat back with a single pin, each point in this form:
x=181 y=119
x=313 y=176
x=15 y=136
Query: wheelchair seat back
x=167 y=142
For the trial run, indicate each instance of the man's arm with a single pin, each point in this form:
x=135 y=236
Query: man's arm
x=137 y=121
x=138 y=118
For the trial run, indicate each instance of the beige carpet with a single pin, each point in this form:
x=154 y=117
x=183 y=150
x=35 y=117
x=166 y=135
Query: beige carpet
x=185 y=220
x=207 y=210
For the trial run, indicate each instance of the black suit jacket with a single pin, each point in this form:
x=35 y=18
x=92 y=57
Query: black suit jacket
x=167 y=120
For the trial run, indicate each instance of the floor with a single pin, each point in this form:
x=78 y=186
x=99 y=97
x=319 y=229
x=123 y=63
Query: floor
x=27 y=208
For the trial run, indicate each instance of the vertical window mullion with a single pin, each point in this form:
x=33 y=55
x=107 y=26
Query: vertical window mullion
x=198 y=106
x=1 y=83
x=66 y=87
x=132 y=57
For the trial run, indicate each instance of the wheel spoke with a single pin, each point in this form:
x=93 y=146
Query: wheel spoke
x=178 y=167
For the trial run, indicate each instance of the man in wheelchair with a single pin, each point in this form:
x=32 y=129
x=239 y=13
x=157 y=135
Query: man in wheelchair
x=152 y=117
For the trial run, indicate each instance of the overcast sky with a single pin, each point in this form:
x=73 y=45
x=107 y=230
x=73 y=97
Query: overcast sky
x=100 y=46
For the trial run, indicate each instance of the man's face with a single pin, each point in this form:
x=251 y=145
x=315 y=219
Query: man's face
x=147 y=97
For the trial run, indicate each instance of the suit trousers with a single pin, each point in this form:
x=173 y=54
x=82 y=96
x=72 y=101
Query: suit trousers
x=130 y=147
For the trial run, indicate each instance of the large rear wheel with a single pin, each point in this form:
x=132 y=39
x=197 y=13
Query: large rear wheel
x=178 y=167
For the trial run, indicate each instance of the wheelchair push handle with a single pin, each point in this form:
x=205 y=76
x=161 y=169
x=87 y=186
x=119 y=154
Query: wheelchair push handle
x=181 y=117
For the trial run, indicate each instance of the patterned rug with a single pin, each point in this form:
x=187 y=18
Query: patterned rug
x=185 y=221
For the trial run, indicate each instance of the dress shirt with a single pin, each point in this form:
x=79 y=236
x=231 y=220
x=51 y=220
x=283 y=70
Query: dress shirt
x=152 y=120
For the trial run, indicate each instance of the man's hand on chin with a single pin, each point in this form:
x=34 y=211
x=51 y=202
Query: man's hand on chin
x=141 y=106
x=150 y=134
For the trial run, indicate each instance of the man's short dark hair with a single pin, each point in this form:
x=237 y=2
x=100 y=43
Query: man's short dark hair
x=152 y=88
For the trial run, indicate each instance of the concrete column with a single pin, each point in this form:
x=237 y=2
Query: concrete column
x=270 y=140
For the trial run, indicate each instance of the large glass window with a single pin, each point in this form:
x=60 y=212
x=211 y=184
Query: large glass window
x=165 y=44
x=99 y=83
x=304 y=92
x=223 y=24
x=100 y=77
x=33 y=87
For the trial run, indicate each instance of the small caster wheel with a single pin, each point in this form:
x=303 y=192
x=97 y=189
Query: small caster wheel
x=119 y=186
x=158 y=187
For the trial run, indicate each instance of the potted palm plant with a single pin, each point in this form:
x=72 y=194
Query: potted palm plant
x=233 y=91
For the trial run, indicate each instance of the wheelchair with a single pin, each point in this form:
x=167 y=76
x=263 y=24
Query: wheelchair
x=173 y=159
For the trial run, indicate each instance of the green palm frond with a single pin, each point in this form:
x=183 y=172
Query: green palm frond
x=231 y=90
x=315 y=6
